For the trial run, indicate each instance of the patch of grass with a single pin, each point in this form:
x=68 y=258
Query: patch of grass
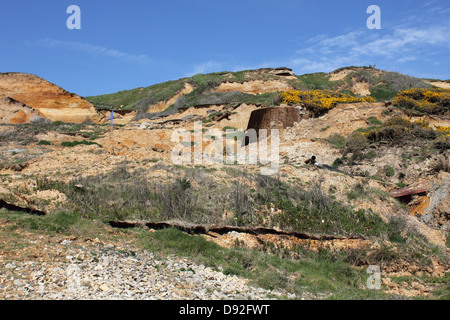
x=318 y=81
x=312 y=273
x=373 y=121
x=336 y=140
x=45 y=143
x=371 y=154
x=389 y=171
x=448 y=240
x=356 y=192
x=72 y=144
x=354 y=145
x=139 y=98
x=337 y=162
x=228 y=128
x=382 y=92
x=60 y=222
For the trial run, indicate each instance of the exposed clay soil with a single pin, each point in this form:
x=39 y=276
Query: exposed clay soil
x=51 y=101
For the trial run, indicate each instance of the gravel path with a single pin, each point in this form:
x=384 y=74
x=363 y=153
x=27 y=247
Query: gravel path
x=106 y=272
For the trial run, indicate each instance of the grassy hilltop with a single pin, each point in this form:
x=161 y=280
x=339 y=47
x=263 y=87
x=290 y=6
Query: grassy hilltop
x=382 y=85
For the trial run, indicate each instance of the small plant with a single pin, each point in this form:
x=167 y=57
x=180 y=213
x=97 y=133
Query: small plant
x=337 y=162
x=337 y=140
x=389 y=171
x=373 y=121
x=356 y=192
x=45 y=143
x=371 y=154
x=228 y=128
x=355 y=145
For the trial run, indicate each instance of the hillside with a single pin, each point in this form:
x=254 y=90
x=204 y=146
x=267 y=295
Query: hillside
x=256 y=86
x=377 y=193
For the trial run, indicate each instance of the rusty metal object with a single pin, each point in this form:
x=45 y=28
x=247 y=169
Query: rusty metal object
x=274 y=118
x=420 y=187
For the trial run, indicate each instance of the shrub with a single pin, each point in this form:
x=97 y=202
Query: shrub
x=337 y=162
x=425 y=101
x=39 y=120
x=398 y=130
x=440 y=164
x=389 y=171
x=383 y=91
x=363 y=76
x=399 y=81
x=336 y=140
x=228 y=128
x=317 y=212
x=373 y=121
x=371 y=154
x=45 y=143
x=355 y=144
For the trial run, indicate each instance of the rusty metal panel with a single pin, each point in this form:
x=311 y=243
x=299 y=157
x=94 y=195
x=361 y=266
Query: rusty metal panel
x=416 y=188
x=274 y=118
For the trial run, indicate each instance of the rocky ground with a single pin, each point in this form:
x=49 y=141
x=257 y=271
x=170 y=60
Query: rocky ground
x=68 y=268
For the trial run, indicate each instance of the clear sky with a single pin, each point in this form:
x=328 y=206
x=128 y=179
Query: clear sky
x=136 y=43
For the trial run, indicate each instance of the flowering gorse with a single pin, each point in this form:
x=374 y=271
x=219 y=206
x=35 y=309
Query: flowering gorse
x=320 y=101
x=425 y=101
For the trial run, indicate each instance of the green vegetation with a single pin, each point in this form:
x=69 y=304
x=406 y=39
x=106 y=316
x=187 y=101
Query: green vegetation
x=125 y=194
x=336 y=140
x=44 y=143
x=321 y=275
x=194 y=196
x=389 y=171
x=395 y=131
x=316 y=275
x=373 y=121
x=139 y=98
x=76 y=143
x=382 y=92
x=424 y=101
x=382 y=87
x=25 y=134
x=233 y=97
x=389 y=84
x=318 y=81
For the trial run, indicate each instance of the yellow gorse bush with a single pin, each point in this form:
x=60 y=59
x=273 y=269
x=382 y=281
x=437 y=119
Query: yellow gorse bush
x=444 y=130
x=320 y=101
x=425 y=101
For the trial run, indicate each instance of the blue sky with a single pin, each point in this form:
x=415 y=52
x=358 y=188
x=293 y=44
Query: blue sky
x=128 y=44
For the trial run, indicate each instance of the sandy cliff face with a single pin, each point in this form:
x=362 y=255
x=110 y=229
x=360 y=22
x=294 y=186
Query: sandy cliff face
x=49 y=100
x=15 y=112
x=254 y=86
